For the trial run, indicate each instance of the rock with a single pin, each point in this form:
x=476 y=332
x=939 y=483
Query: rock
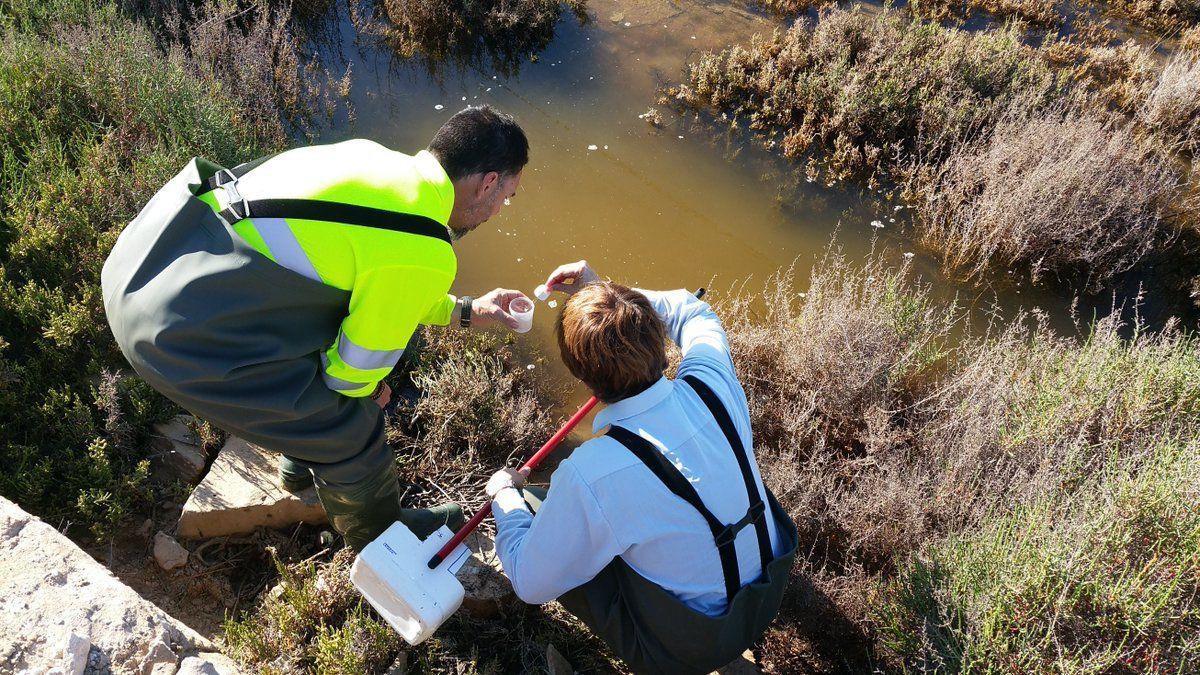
x=176 y=452
x=146 y=527
x=241 y=492
x=208 y=663
x=50 y=590
x=400 y=665
x=557 y=663
x=168 y=552
x=485 y=585
x=744 y=665
x=74 y=656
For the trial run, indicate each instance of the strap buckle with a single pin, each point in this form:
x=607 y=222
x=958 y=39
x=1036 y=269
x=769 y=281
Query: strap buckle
x=232 y=194
x=727 y=534
x=730 y=532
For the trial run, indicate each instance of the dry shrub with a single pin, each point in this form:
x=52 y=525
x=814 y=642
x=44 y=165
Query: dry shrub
x=260 y=53
x=1042 y=13
x=1060 y=192
x=1173 y=107
x=866 y=90
x=824 y=373
x=1120 y=77
x=479 y=408
x=1190 y=38
x=469 y=32
x=883 y=444
x=1164 y=17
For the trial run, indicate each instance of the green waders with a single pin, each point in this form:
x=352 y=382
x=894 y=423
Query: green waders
x=235 y=338
x=650 y=629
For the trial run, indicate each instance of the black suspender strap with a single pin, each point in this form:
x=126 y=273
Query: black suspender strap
x=336 y=212
x=757 y=508
x=670 y=476
x=240 y=208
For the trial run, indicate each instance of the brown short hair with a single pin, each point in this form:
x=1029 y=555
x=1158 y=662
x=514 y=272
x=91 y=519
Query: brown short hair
x=611 y=338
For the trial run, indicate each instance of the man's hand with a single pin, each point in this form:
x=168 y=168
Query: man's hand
x=571 y=277
x=382 y=395
x=492 y=309
x=504 y=478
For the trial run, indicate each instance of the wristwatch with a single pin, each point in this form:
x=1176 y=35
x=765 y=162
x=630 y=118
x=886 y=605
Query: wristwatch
x=464 y=311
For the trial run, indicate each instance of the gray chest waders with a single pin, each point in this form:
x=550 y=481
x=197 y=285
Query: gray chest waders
x=651 y=629
x=236 y=339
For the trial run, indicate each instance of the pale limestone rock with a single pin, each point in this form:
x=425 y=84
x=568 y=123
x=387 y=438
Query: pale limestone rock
x=177 y=454
x=50 y=589
x=168 y=552
x=400 y=665
x=241 y=493
x=485 y=585
x=209 y=663
x=74 y=656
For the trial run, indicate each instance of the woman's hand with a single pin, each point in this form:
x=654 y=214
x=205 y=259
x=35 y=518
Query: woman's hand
x=571 y=277
x=492 y=309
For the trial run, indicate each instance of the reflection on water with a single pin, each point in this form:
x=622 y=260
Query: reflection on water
x=464 y=35
x=676 y=206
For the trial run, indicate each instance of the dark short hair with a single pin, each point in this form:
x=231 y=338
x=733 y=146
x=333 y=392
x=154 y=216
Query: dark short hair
x=611 y=338
x=479 y=139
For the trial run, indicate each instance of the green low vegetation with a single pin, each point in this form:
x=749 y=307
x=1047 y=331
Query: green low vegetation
x=97 y=114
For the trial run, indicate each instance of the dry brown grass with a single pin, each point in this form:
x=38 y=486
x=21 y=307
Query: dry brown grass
x=1173 y=106
x=478 y=408
x=882 y=443
x=1041 y=13
x=1064 y=192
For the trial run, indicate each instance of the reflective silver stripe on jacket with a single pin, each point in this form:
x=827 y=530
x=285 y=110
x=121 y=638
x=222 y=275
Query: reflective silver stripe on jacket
x=337 y=383
x=278 y=237
x=362 y=358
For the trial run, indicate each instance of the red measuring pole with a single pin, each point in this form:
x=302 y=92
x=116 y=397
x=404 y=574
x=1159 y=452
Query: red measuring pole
x=537 y=458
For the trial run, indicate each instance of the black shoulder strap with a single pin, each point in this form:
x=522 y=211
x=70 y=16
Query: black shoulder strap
x=315 y=209
x=757 y=508
x=675 y=481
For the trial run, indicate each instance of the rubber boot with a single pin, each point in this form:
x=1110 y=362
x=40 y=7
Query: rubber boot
x=292 y=476
x=361 y=511
x=424 y=522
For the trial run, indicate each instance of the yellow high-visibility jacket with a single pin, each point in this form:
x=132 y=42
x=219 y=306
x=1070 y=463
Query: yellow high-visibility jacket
x=396 y=280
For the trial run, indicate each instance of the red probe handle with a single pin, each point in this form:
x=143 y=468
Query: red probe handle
x=530 y=465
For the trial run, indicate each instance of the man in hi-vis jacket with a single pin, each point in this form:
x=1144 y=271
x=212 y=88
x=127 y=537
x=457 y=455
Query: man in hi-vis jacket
x=273 y=298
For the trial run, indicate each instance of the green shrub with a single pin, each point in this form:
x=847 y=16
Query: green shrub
x=96 y=116
x=860 y=94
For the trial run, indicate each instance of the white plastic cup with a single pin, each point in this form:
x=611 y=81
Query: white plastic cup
x=542 y=293
x=522 y=310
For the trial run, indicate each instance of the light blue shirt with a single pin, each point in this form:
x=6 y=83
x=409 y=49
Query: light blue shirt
x=603 y=502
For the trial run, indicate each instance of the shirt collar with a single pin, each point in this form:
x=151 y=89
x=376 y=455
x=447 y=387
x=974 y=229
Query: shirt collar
x=632 y=406
x=429 y=167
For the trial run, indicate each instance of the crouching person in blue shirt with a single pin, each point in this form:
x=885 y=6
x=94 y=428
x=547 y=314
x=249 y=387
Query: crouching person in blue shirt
x=658 y=534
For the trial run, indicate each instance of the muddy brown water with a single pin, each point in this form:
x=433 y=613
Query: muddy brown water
x=657 y=208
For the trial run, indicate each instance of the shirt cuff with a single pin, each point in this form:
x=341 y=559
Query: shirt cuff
x=509 y=500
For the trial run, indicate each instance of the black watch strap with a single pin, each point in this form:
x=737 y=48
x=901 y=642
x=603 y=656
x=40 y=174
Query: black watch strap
x=464 y=311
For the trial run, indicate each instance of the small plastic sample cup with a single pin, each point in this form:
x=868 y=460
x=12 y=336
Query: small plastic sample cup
x=541 y=292
x=522 y=310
